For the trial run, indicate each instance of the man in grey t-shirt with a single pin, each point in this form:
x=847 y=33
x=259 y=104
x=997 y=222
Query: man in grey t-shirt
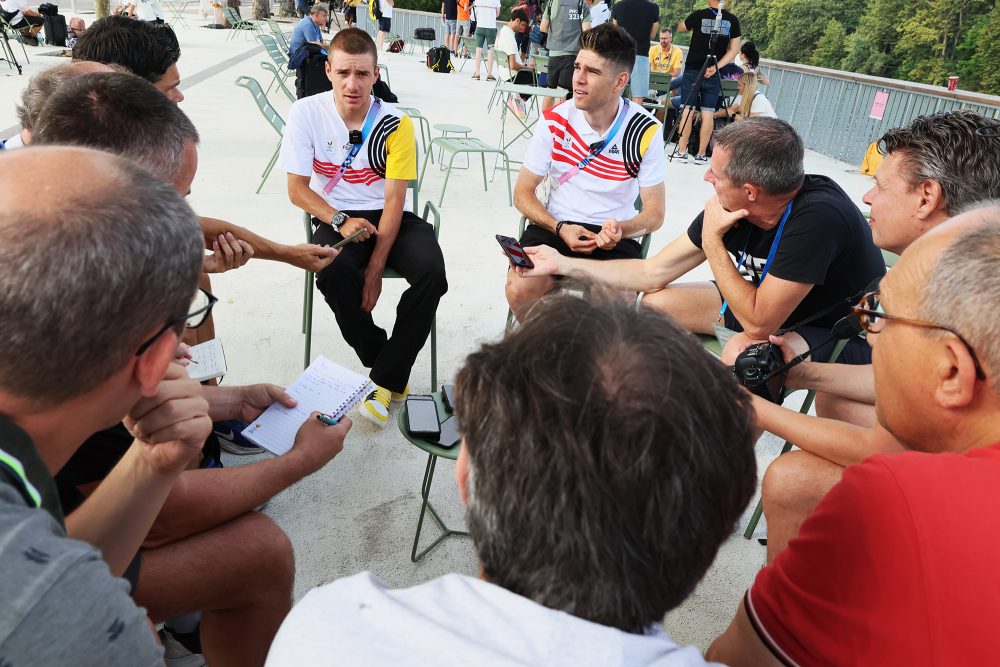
x=83 y=348
x=563 y=21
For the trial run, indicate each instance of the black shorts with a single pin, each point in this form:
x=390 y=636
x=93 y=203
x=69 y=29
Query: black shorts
x=352 y=14
x=857 y=352
x=534 y=235
x=385 y=24
x=560 y=73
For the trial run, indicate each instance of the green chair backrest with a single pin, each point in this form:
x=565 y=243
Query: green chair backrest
x=232 y=16
x=541 y=63
x=272 y=116
x=730 y=88
x=279 y=36
x=660 y=81
x=280 y=59
x=269 y=66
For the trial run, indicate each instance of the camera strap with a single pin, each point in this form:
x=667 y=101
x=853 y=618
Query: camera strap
x=770 y=254
x=355 y=148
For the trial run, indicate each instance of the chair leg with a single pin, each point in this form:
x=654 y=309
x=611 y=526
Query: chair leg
x=482 y=158
x=423 y=170
x=434 y=355
x=307 y=318
x=446 y=177
x=270 y=166
x=506 y=168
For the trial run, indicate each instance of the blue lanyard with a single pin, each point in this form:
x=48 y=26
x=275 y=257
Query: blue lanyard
x=770 y=254
x=365 y=131
x=597 y=148
x=355 y=148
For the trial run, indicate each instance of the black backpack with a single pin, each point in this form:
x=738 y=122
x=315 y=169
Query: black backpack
x=439 y=60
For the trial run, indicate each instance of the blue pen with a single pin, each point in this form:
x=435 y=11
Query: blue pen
x=328 y=420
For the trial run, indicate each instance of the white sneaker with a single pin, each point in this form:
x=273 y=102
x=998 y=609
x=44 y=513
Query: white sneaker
x=176 y=654
x=376 y=406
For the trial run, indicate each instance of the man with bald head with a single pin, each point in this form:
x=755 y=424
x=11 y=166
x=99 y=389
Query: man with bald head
x=897 y=564
x=83 y=349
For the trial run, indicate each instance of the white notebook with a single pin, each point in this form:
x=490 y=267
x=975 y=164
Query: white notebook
x=209 y=361
x=323 y=387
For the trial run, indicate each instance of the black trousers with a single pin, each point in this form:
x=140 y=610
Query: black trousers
x=417 y=257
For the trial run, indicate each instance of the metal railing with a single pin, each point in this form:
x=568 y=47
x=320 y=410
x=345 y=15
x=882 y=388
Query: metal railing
x=832 y=109
x=404 y=22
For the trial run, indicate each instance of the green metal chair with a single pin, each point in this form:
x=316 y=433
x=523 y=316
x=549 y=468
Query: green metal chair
x=272 y=117
x=661 y=83
x=541 y=64
x=278 y=79
x=425 y=127
x=8 y=50
x=279 y=35
x=278 y=57
x=461 y=145
x=307 y=305
x=238 y=23
x=469 y=48
x=383 y=73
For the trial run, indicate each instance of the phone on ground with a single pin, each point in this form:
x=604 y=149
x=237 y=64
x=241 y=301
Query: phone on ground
x=515 y=253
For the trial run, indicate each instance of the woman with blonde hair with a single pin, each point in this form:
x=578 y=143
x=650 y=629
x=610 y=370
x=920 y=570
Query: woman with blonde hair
x=749 y=102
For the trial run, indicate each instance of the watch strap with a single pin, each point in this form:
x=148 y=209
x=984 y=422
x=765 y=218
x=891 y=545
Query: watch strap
x=559 y=226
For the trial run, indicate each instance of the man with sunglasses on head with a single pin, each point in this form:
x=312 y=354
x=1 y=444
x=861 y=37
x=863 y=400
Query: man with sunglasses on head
x=933 y=168
x=897 y=564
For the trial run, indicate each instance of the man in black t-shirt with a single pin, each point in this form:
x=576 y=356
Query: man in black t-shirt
x=725 y=49
x=641 y=20
x=449 y=14
x=823 y=255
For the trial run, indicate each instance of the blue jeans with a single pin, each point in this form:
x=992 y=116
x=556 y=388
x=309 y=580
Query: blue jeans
x=709 y=93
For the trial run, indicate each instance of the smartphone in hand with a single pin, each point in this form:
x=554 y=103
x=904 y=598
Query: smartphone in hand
x=515 y=253
x=343 y=242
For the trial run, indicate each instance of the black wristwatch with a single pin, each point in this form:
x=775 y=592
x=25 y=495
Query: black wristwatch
x=559 y=226
x=338 y=219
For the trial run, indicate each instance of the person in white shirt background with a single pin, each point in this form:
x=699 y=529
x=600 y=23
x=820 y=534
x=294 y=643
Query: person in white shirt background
x=599 y=13
x=750 y=101
x=486 y=12
x=28 y=21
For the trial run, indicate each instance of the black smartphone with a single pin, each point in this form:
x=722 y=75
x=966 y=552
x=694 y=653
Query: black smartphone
x=343 y=242
x=449 y=433
x=422 y=418
x=448 y=397
x=515 y=253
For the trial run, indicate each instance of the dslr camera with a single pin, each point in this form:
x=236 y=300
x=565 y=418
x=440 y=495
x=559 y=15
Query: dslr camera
x=761 y=369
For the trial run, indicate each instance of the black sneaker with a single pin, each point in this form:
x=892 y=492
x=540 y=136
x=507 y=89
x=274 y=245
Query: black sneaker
x=231 y=439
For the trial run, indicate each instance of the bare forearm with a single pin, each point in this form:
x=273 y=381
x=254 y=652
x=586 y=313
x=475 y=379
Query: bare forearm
x=849 y=381
x=740 y=295
x=630 y=274
x=836 y=441
x=646 y=222
x=527 y=203
x=309 y=201
x=262 y=248
x=202 y=499
x=734 y=48
x=117 y=516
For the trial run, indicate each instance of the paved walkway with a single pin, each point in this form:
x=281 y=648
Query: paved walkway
x=359 y=512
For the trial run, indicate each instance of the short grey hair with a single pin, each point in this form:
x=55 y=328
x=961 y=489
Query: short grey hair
x=766 y=152
x=963 y=288
x=949 y=148
x=320 y=8
x=120 y=113
x=79 y=292
x=42 y=85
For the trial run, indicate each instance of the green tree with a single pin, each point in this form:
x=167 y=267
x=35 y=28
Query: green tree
x=753 y=22
x=930 y=38
x=987 y=53
x=830 y=48
x=870 y=49
x=795 y=27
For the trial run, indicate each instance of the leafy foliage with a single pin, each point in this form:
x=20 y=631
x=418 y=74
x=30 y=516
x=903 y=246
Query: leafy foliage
x=917 y=40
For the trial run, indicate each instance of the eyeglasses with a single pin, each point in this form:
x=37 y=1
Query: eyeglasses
x=873 y=319
x=201 y=306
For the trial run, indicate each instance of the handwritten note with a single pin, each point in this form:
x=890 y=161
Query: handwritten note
x=878 y=105
x=323 y=387
x=210 y=361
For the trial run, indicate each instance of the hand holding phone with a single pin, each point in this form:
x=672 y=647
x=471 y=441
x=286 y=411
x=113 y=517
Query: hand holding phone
x=346 y=240
x=515 y=253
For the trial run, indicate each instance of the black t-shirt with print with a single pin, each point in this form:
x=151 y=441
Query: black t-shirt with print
x=637 y=18
x=826 y=243
x=700 y=25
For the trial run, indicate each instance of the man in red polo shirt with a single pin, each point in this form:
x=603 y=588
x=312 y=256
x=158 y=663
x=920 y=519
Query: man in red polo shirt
x=897 y=564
